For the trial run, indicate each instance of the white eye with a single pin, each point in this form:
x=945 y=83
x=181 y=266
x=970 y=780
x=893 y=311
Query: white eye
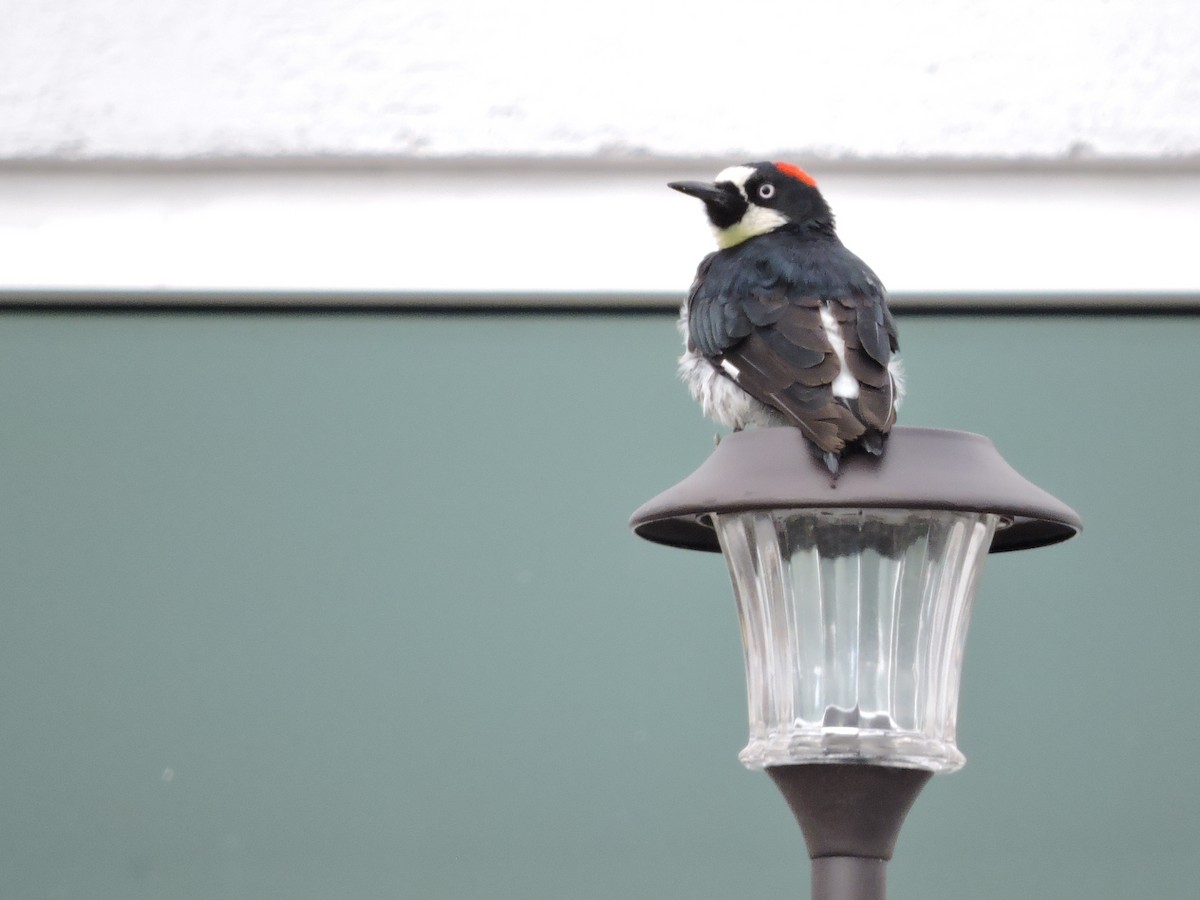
x=767 y=191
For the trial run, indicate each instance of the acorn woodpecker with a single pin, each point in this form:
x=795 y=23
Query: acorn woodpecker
x=783 y=325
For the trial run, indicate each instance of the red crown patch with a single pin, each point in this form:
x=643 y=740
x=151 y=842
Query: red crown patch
x=796 y=172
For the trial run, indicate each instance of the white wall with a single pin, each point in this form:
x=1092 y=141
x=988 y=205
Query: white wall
x=415 y=79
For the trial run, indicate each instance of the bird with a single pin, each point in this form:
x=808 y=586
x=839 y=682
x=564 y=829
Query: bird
x=784 y=326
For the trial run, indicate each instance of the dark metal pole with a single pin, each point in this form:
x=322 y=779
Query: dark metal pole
x=851 y=816
x=849 y=878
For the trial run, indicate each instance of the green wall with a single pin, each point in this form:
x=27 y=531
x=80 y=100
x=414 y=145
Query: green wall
x=345 y=606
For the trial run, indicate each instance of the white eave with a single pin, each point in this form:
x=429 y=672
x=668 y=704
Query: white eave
x=560 y=230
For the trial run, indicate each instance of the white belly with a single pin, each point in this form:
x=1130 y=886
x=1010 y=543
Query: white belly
x=720 y=399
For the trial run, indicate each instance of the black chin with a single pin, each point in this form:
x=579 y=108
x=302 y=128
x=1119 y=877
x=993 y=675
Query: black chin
x=724 y=202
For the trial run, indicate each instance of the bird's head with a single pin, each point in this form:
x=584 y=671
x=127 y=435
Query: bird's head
x=754 y=198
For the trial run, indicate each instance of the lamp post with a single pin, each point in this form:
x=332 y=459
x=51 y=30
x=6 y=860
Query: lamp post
x=854 y=600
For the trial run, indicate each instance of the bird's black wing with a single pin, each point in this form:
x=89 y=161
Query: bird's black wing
x=869 y=356
x=870 y=334
x=755 y=312
x=766 y=334
x=716 y=321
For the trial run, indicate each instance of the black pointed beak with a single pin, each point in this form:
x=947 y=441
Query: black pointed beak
x=701 y=190
x=724 y=202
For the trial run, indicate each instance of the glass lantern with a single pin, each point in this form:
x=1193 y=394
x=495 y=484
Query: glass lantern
x=853 y=626
x=854 y=597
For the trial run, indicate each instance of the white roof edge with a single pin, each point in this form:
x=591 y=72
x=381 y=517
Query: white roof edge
x=565 y=230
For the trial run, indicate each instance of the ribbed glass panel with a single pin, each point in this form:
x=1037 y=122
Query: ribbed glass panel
x=853 y=626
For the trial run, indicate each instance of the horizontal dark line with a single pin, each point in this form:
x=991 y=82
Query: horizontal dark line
x=338 y=309
x=1047 y=303
x=1051 y=303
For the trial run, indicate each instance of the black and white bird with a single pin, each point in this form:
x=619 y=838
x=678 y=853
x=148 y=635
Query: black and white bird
x=783 y=325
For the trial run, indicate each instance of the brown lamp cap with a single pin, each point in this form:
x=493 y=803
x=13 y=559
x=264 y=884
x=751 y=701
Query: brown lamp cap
x=922 y=468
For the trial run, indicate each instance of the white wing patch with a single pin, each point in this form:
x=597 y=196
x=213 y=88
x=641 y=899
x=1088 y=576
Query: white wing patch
x=845 y=386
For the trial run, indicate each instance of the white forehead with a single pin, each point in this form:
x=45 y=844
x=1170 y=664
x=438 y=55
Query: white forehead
x=736 y=174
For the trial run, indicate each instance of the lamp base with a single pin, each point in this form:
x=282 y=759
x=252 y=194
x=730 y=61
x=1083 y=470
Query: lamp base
x=850 y=815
